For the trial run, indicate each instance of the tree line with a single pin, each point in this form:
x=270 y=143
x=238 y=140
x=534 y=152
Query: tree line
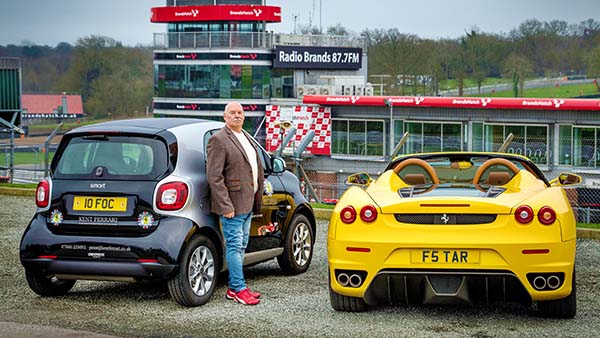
x=117 y=81
x=113 y=80
x=534 y=49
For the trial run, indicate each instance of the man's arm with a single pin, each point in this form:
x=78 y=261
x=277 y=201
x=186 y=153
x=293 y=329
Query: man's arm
x=215 y=158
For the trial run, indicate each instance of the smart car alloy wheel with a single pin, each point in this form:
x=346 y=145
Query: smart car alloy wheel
x=195 y=281
x=201 y=271
x=302 y=244
x=298 y=246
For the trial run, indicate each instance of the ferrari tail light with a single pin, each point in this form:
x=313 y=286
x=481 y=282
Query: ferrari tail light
x=348 y=214
x=172 y=196
x=524 y=214
x=368 y=213
x=546 y=215
x=42 y=194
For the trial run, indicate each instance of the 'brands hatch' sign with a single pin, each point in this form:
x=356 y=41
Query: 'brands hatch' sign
x=305 y=57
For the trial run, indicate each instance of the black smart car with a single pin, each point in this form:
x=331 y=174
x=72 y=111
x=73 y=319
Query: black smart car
x=128 y=200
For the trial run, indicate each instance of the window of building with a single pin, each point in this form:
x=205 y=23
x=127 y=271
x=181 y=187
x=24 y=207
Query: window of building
x=357 y=137
x=529 y=140
x=282 y=83
x=477 y=136
x=586 y=146
x=433 y=137
x=565 y=137
x=213 y=81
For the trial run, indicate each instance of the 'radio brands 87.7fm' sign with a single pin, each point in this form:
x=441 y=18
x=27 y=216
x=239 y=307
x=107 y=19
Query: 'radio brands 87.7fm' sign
x=304 y=57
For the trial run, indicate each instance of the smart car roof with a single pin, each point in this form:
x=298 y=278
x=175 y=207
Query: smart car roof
x=146 y=125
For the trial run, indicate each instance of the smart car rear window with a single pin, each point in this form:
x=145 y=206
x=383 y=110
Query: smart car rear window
x=109 y=156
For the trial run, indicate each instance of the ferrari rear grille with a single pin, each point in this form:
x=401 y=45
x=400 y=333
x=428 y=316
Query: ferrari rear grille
x=445 y=218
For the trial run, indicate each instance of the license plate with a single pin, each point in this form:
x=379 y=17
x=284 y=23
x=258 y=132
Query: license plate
x=444 y=256
x=84 y=203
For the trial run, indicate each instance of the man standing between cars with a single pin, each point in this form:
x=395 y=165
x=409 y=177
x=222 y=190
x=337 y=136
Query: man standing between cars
x=235 y=176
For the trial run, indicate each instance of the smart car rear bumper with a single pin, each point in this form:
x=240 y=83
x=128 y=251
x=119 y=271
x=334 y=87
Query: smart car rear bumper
x=98 y=269
x=154 y=255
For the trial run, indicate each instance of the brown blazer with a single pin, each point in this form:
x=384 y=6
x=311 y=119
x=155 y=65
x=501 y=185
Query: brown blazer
x=229 y=175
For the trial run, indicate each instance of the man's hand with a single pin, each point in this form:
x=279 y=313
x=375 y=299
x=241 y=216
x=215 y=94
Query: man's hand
x=229 y=215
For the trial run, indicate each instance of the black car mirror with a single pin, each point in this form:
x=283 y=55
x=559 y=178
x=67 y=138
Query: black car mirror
x=278 y=165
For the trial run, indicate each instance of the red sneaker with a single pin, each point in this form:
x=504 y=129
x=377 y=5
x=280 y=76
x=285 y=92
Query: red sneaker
x=231 y=294
x=245 y=297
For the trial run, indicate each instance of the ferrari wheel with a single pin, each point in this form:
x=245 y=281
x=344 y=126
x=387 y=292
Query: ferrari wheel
x=195 y=282
x=560 y=308
x=346 y=303
x=48 y=286
x=298 y=247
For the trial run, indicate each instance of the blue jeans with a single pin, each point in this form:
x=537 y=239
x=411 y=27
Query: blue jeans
x=236 y=231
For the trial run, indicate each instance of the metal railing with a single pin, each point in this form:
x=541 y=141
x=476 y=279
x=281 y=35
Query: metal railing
x=192 y=40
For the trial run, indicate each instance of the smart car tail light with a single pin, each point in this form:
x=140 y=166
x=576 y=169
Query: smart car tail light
x=42 y=194
x=546 y=215
x=524 y=214
x=348 y=214
x=172 y=196
x=368 y=213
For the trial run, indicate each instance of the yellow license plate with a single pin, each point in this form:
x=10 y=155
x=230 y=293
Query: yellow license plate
x=84 y=203
x=444 y=256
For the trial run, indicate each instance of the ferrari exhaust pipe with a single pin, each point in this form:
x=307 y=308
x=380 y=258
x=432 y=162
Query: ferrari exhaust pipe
x=553 y=282
x=343 y=279
x=355 y=280
x=539 y=282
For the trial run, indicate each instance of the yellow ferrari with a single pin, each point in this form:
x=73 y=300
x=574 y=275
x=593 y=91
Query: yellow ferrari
x=454 y=228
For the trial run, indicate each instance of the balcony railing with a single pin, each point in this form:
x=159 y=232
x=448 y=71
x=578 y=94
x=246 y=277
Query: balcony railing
x=266 y=40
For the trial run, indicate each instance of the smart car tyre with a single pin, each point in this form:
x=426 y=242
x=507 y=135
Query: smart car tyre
x=298 y=247
x=195 y=281
x=48 y=286
x=346 y=303
x=560 y=308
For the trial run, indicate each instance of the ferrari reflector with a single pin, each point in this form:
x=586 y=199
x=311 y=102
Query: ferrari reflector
x=437 y=205
x=444 y=256
x=100 y=203
x=535 y=251
x=355 y=249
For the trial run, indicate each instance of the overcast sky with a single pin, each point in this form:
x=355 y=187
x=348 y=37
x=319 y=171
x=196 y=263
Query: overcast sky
x=52 y=21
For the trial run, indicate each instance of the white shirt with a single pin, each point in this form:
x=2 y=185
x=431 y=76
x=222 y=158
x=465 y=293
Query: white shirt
x=251 y=153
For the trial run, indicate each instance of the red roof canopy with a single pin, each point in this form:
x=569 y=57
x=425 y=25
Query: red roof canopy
x=215 y=13
x=47 y=104
x=456 y=102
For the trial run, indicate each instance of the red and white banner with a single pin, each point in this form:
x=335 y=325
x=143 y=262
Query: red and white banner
x=456 y=102
x=216 y=13
x=304 y=119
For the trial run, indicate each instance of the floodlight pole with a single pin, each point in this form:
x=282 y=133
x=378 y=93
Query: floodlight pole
x=389 y=103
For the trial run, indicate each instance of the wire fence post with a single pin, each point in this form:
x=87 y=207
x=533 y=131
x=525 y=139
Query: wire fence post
x=47 y=146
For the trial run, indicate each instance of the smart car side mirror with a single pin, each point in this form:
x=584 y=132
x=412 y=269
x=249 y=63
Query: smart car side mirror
x=278 y=165
x=361 y=178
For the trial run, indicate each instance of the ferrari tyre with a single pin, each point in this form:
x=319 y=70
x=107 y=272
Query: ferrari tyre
x=346 y=303
x=298 y=246
x=560 y=308
x=196 y=279
x=48 y=286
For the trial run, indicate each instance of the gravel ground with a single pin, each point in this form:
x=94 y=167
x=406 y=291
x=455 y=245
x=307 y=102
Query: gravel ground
x=295 y=306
